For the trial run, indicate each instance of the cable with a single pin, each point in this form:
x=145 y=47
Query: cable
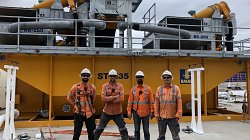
x=187 y=130
x=23 y=136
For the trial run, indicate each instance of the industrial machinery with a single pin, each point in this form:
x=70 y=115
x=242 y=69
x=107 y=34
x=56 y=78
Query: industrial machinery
x=92 y=18
x=213 y=29
x=49 y=66
x=205 y=30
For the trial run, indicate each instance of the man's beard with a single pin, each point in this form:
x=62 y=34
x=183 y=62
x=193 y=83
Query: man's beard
x=85 y=80
x=140 y=82
x=112 y=80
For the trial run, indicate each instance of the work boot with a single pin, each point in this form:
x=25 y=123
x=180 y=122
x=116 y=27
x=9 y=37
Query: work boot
x=125 y=136
x=97 y=136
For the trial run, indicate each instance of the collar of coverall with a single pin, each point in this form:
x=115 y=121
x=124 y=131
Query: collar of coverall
x=140 y=85
x=82 y=83
x=112 y=85
x=168 y=86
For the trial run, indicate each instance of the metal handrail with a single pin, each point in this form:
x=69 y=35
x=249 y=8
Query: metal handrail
x=240 y=45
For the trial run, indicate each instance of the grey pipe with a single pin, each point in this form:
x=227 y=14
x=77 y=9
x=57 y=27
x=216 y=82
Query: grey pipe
x=155 y=29
x=99 y=24
x=13 y=28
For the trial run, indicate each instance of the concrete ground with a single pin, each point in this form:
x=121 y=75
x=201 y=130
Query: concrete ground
x=213 y=130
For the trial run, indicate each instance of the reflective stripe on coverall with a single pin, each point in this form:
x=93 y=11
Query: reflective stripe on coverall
x=143 y=103
x=87 y=98
x=112 y=107
x=168 y=103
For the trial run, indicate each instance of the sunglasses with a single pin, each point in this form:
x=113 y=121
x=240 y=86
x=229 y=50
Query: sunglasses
x=85 y=75
x=139 y=77
x=166 y=77
x=112 y=76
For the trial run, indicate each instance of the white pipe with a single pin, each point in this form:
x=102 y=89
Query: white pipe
x=197 y=127
x=9 y=129
x=12 y=103
x=199 y=123
x=193 y=121
x=7 y=112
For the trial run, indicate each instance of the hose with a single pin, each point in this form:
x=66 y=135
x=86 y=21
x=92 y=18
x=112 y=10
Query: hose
x=229 y=37
x=155 y=29
x=187 y=130
x=23 y=136
x=13 y=28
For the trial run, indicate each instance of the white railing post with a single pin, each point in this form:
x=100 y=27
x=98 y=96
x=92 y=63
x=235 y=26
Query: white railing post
x=9 y=129
x=199 y=122
x=197 y=127
x=3 y=78
x=193 y=121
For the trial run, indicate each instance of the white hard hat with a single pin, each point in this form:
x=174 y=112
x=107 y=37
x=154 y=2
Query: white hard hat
x=167 y=72
x=139 y=73
x=85 y=70
x=112 y=72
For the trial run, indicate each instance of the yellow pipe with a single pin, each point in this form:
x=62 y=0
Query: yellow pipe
x=72 y=5
x=208 y=12
x=65 y=3
x=226 y=10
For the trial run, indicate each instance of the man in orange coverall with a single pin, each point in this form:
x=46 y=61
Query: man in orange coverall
x=113 y=97
x=82 y=96
x=168 y=107
x=141 y=105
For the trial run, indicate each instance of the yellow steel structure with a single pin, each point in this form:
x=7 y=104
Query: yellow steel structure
x=44 y=80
